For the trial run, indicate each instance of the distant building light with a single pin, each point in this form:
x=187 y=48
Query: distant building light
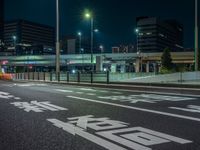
x=141 y=34
x=148 y=33
x=179 y=46
x=73 y=71
x=2 y=70
x=162 y=35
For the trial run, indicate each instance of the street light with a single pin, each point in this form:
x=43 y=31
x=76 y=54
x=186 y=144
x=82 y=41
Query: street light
x=140 y=57
x=89 y=16
x=57 y=41
x=196 y=37
x=101 y=48
x=14 y=40
x=137 y=32
x=80 y=38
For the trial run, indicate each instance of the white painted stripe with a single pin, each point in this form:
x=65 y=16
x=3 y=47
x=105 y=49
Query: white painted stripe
x=79 y=92
x=91 y=94
x=87 y=89
x=151 y=92
x=137 y=108
x=116 y=92
x=61 y=90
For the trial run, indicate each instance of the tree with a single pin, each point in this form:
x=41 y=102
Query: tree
x=166 y=61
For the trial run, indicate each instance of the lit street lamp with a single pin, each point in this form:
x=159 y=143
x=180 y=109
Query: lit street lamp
x=101 y=48
x=14 y=40
x=80 y=38
x=57 y=41
x=89 y=16
x=140 y=57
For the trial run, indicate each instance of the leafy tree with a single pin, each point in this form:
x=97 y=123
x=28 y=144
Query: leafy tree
x=166 y=61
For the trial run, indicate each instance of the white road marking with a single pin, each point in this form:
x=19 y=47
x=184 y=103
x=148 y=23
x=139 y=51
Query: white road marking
x=117 y=132
x=148 y=98
x=116 y=92
x=29 y=85
x=37 y=106
x=79 y=92
x=87 y=89
x=190 y=108
x=150 y=92
x=103 y=91
x=61 y=90
x=91 y=94
x=137 y=108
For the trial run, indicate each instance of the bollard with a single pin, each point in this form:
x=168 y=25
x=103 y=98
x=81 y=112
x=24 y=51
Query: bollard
x=58 y=75
x=44 y=77
x=28 y=75
x=51 y=76
x=38 y=75
x=67 y=76
x=108 y=76
x=78 y=77
x=91 y=76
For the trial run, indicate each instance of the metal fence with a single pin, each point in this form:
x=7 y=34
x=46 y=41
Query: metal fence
x=98 y=77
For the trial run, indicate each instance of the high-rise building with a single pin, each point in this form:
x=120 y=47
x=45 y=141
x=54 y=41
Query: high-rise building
x=154 y=35
x=21 y=32
x=1 y=20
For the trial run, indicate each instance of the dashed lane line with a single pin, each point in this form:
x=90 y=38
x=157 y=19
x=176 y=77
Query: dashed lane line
x=137 y=108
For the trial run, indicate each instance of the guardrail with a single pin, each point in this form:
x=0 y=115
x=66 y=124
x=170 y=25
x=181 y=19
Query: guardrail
x=97 y=77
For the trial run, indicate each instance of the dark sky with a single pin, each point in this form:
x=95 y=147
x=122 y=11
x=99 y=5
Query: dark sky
x=114 y=18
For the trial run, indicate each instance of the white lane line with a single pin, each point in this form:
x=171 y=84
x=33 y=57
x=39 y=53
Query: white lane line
x=91 y=94
x=103 y=91
x=151 y=92
x=137 y=108
x=116 y=92
x=79 y=92
x=87 y=89
x=65 y=91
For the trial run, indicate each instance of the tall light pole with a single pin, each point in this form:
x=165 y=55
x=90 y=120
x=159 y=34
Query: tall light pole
x=196 y=37
x=57 y=41
x=80 y=38
x=138 y=51
x=14 y=40
x=89 y=16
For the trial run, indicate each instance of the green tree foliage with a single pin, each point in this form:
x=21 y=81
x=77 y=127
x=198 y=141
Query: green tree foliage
x=166 y=61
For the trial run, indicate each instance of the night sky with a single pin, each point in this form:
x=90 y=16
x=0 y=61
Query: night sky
x=114 y=18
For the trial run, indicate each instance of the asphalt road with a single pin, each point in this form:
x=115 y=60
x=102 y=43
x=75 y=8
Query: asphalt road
x=41 y=116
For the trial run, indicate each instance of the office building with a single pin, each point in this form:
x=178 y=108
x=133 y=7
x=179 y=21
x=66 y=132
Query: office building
x=154 y=35
x=1 y=20
x=124 y=49
x=21 y=32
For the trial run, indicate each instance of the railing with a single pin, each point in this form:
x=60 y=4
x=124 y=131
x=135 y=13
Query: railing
x=97 y=77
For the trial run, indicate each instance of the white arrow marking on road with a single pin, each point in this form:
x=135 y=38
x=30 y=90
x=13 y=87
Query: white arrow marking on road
x=137 y=108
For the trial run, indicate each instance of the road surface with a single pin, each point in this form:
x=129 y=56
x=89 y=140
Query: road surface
x=41 y=116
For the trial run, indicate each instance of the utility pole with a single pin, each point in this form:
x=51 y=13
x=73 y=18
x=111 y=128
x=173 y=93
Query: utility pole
x=196 y=37
x=57 y=41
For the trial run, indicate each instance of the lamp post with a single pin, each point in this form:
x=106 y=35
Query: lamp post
x=57 y=41
x=138 y=51
x=80 y=38
x=14 y=40
x=196 y=37
x=89 y=16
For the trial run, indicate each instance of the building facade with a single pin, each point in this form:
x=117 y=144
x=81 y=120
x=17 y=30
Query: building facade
x=27 y=33
x=1 y=20
x=154 y=35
